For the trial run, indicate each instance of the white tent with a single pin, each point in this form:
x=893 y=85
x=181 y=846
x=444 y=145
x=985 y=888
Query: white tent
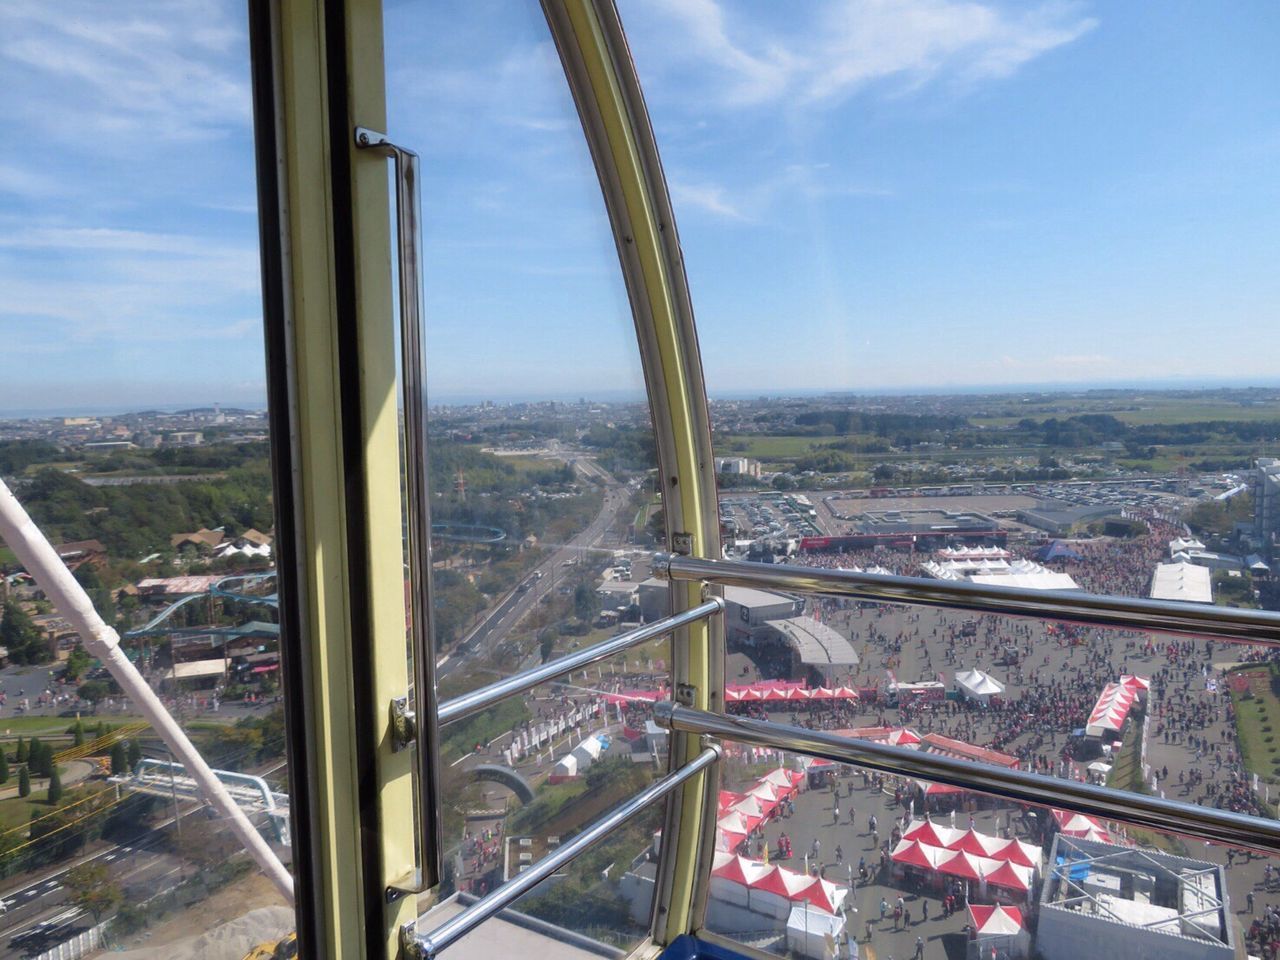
x=812 y=932
x=978 y=685
x=588 y=752
x=565 y=767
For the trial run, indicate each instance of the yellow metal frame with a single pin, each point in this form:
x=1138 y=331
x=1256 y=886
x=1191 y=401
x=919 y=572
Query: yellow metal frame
x=308 y=133
x=353 y=603
x=618 y=128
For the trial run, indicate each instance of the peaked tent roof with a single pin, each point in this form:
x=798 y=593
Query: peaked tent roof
x=979 y=683
x=1010 y=877
x=934 y=834
x=995 y=920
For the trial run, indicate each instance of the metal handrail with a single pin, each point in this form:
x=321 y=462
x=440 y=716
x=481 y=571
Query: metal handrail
x=1205 y=621
x=427 y=946
x=420 y=722
x=476 y=700
x=1137 y=809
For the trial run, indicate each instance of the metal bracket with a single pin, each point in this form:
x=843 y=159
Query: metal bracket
x=685 y=693
x=404 y=725
x=682 y=543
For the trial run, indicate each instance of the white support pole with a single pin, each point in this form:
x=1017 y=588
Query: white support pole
x=41 y=561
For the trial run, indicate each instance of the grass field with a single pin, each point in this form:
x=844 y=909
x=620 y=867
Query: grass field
x=1160 y=410
x=767 y=448
x=41 y=726
x=1257 y=723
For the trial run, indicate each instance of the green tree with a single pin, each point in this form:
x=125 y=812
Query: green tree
x=78 y=733
x=546 y=643
x=77 y=663
x=94 y=691
x=24 y=783
x=4 y=767
x=119 y=759
x=586 y=603
x=23 y=752
x=91 y=888
x=134 y=754
x=35 y=757
x=22 y=637
x=55 y=787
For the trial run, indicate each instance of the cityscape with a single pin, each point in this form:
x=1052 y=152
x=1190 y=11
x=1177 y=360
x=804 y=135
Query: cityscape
x=545 y=516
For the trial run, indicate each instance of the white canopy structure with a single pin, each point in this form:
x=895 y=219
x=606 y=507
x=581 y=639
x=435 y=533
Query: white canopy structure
x=1182 y=581
x=978 y=685
x=812 y=932
x=1000 y=573
x=815 y=642
x=1110 y=711
x=1183 y=545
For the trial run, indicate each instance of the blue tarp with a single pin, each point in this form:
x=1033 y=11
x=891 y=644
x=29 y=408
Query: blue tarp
x=1055 y=550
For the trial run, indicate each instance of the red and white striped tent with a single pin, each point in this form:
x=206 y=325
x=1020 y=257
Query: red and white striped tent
x=1079 y=825
x=997 y=921
x=934 y=834
x=780 y=881
x=1010 y=877
x=1110 y=711
x=913 y=853
x=961 y=864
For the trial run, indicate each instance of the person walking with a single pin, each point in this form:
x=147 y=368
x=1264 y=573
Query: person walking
x=919 y=948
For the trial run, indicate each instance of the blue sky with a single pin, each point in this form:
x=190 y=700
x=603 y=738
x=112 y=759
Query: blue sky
x=872 y=194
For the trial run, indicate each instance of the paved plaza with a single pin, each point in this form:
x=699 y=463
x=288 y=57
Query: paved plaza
x=1188 y=703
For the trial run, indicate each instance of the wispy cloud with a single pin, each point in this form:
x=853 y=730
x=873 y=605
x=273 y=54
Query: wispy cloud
x=132 y=77
x=845 y=46
x=708 y=197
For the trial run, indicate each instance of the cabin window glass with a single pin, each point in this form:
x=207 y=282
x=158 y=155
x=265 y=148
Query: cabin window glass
x=977 y=288
x=133 y=429
x=541 y=462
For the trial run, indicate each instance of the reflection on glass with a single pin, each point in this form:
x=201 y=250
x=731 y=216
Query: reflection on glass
x=534 y=770
x=599 y=905
x=540 y=440
x=814 y=855
x=133 y=429
x=931 y=308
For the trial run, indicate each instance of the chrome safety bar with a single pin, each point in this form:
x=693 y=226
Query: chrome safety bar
x=427 y=946
x=1200 y=620
x=1141 y=810
x=476 y=700
x=419 y=724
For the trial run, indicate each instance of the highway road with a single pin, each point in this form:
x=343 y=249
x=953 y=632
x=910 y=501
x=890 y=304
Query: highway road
x=38 y=915
x=500 y=620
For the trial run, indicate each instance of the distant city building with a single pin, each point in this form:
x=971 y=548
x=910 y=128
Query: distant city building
x=185 y=438
x=1265 y=484
x=738 y=465
x=1058 y=519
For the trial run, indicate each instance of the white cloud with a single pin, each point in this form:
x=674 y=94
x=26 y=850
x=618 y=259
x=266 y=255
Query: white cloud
x=707 y=197
x=849 y=45
x=754 y=77
x=25 y=182
x=147 y=73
